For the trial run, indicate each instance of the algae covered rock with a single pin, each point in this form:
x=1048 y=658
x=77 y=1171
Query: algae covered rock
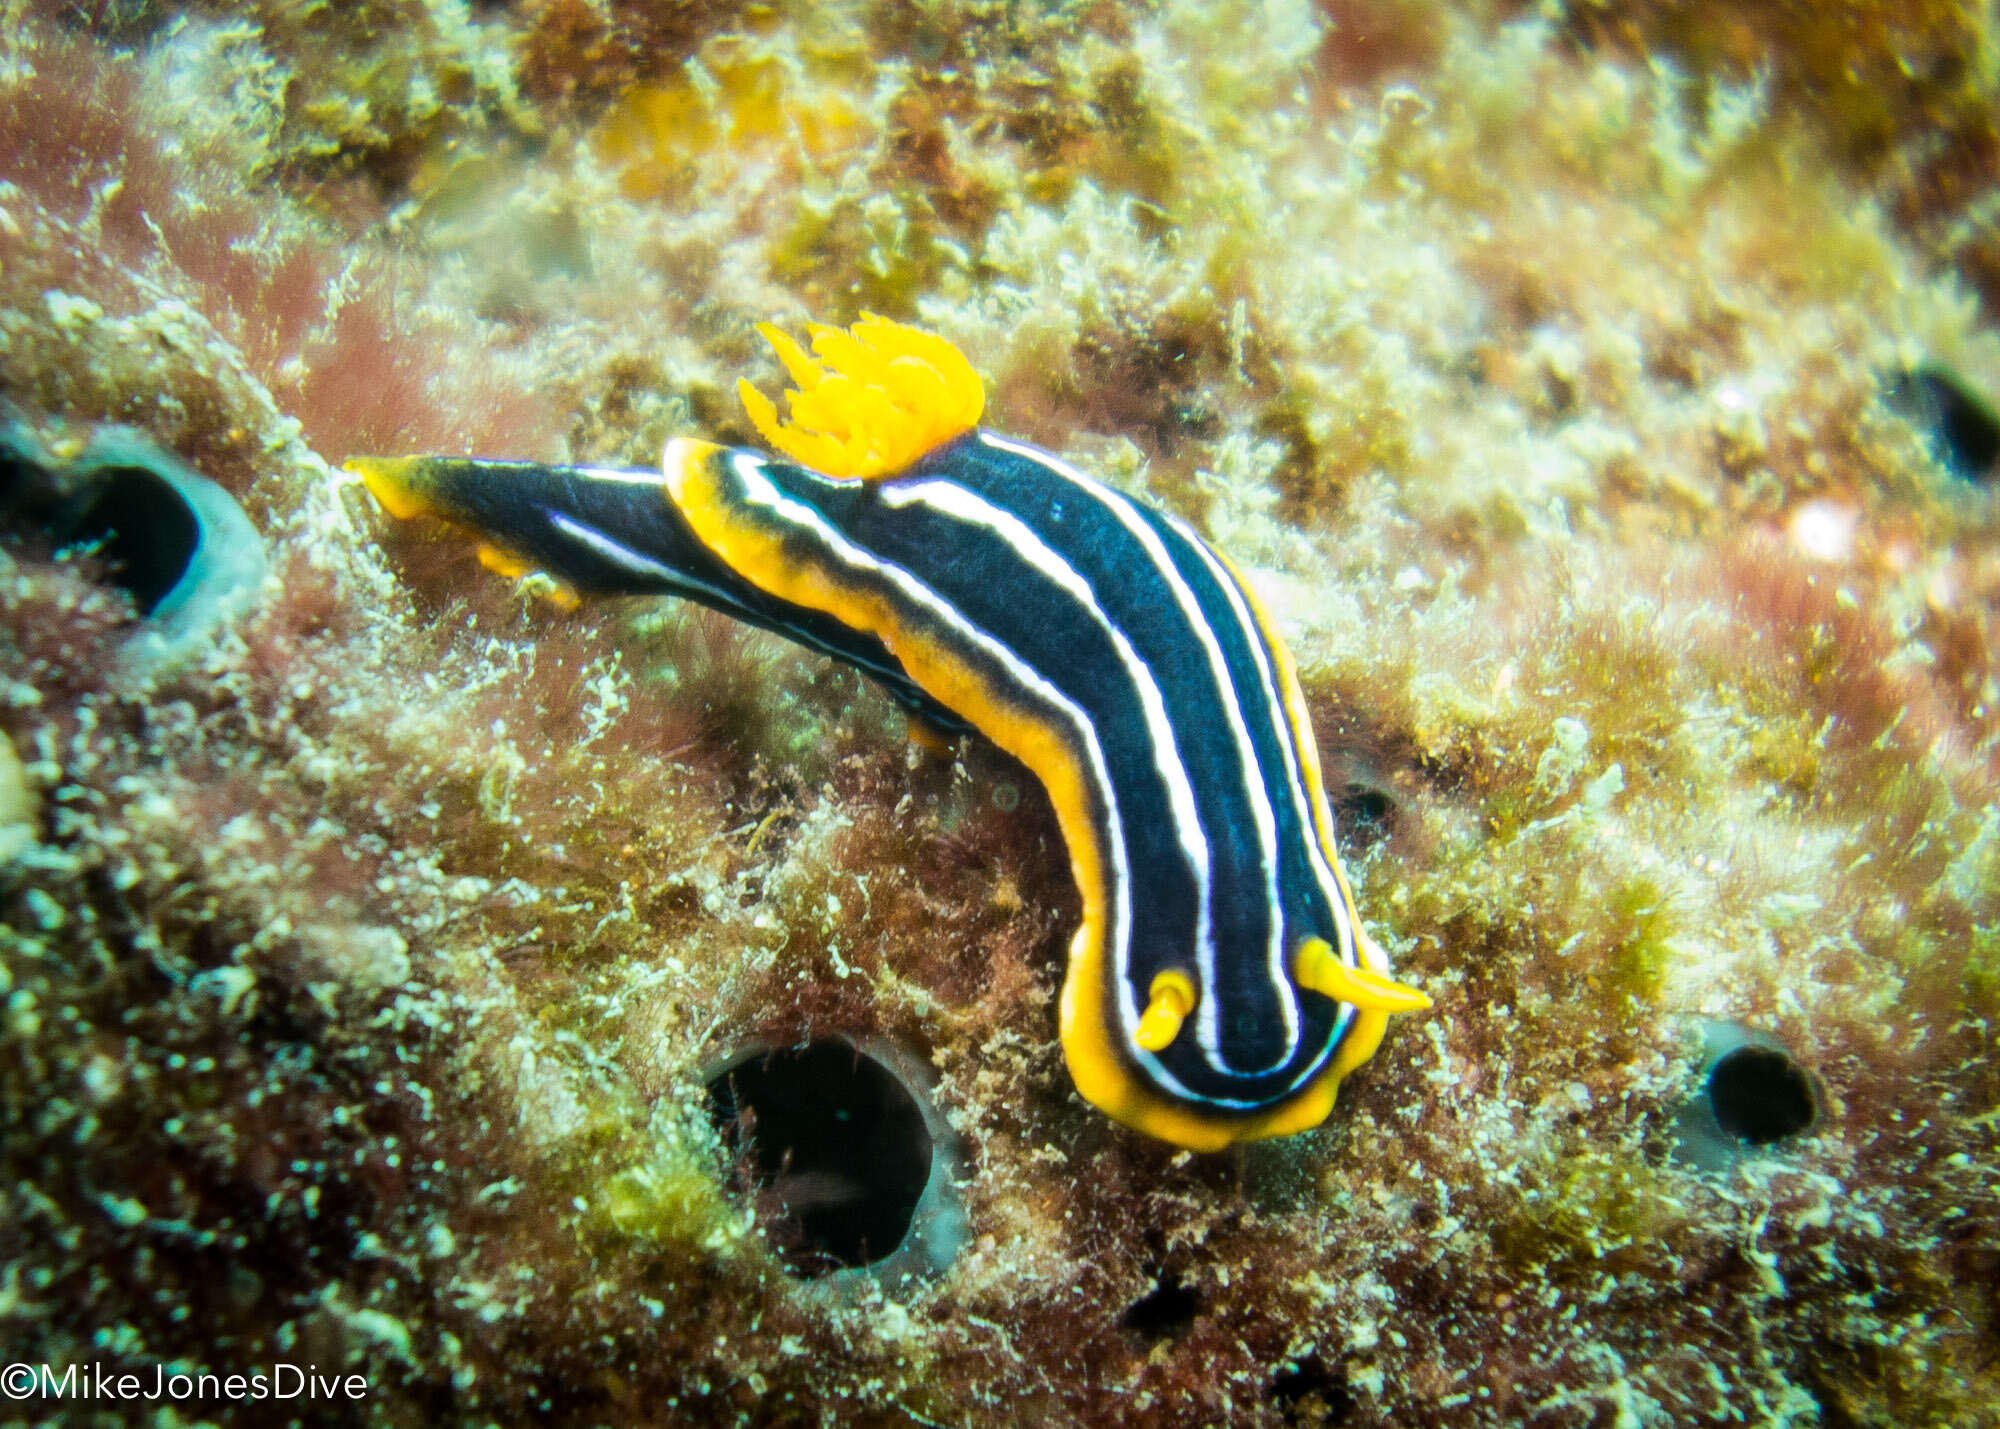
x=1595 y=400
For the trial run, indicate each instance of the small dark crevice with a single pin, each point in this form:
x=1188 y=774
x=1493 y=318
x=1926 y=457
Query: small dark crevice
x=1310 y=1391
x=1365 y=814
x=137 y=518
x=1959 y=424
x=1165 y=1312
x=832 y=1147
x=1761 y=1095
x=143 y=532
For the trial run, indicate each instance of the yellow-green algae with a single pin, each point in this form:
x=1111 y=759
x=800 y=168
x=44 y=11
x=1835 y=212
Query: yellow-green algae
x=358 y=975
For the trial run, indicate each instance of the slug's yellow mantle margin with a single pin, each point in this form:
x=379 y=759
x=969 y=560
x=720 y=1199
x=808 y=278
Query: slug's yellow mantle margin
x=870 y=400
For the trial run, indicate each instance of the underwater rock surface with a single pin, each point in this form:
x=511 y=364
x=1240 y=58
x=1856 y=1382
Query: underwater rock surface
x=362 y=966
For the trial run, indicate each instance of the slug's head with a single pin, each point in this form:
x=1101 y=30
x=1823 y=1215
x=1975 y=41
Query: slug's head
x=1248 y=1069
x=870 y=400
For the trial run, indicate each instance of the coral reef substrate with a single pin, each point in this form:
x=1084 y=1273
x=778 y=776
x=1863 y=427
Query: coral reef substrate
x=1596 y=395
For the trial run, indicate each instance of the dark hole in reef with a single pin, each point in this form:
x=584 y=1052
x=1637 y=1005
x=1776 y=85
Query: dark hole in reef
x=144 y=532
x=1760 y=1095
x=1960 y=425
x=21 y=475
x=1165 y=1311
x=1311 y=1393
x=1364 y=814
x=834 y=1148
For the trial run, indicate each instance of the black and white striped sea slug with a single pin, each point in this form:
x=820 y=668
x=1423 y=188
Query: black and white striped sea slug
x=1221 y=983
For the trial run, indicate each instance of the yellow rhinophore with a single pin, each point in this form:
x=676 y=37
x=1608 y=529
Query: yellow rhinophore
x=1172 y=999
x=1319 y=968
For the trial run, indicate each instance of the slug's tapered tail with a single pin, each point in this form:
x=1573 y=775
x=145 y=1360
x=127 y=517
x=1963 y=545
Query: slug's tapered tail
x=611 y=531
x=560 y=520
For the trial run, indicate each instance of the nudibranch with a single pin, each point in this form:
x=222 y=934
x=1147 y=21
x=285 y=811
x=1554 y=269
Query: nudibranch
x=1220 y=984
